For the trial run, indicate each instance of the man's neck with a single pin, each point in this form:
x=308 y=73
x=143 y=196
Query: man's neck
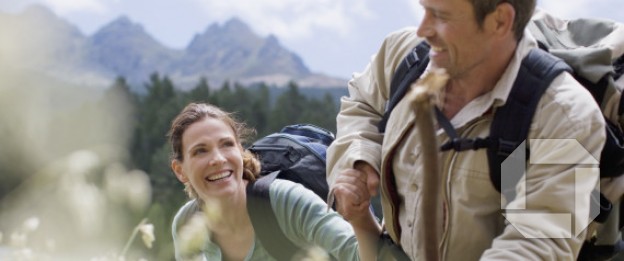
x=462 y=89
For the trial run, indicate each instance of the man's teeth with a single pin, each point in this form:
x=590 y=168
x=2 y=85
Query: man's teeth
x=219 y=176
x=437 y=49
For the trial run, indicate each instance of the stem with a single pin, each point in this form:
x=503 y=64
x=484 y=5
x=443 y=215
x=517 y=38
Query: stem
x=132 y=236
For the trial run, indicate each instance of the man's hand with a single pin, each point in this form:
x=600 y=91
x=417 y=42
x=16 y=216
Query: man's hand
x=353 y=190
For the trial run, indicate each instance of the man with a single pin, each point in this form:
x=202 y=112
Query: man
x=480 y=44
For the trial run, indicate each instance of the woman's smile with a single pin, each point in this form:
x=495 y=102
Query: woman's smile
x=219 y=176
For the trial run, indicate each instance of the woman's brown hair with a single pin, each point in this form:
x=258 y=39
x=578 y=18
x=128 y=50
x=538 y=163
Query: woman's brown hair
x=195 y=112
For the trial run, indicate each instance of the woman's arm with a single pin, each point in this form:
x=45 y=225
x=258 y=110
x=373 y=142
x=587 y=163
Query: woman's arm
x=304 y=219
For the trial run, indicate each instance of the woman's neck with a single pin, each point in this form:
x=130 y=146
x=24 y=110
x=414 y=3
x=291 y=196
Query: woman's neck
x=233 y=232
x=233 y=215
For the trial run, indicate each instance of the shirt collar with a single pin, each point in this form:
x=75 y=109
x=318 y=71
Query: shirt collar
x=498 y=95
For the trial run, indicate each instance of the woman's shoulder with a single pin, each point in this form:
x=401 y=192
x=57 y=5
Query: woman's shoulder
x=286 y=187
x=289 y=193
x=184 y=213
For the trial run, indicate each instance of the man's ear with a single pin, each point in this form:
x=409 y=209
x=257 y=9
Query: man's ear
x=176 y=166
x=502 y=19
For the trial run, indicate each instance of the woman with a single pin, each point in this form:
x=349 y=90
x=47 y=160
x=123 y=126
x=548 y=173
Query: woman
x=209 y=159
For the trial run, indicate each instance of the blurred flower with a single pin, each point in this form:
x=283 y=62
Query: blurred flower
x=82 y=162
x=147 y=231
x=23 y=254
x=101 y=258
x=212 y=212
x=193 y=235
x=31 y=224
x=315 y=254
x=50 y=245
x=128 y=187
x=18 y=240
x=147 y=234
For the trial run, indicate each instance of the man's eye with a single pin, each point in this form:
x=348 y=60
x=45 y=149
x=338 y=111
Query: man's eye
x=229 y=144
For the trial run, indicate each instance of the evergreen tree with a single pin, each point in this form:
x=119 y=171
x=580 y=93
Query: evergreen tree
x=288 y=109
x=260 y=108
x=201 y=92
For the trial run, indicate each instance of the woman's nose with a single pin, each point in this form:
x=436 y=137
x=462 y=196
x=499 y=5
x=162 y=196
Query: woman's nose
x=217 y=158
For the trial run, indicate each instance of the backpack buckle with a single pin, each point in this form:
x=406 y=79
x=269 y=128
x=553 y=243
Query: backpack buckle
x=459 y=144
x=505 y=148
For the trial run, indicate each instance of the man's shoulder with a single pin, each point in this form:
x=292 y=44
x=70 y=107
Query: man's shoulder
x=404 y=33
x=404 y=38
x=575 y=102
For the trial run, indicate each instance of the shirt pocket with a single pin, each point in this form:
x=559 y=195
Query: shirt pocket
x=469 y=175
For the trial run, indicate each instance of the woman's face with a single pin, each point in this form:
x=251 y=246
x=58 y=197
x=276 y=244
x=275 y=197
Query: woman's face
x=212 y=159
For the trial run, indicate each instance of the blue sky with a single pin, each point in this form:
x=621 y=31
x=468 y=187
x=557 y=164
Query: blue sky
x=335 y=37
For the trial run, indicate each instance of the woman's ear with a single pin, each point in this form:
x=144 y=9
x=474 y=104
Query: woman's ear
x=176 y=166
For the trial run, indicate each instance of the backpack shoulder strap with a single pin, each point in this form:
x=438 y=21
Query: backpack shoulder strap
x=410 y=69
x=264 y=220
x=512 y=121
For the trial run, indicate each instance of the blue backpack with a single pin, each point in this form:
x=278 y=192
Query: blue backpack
x=296 y=153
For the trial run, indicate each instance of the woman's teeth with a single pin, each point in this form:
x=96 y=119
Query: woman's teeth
x=219 y=176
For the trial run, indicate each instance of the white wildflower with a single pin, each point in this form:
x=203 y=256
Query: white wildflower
x=147 y=234
x=50 y=245
x=193 y=235
x=315 y=254
x=31 y=224
x=212 y=212
x=128 y=187
x=18 y=240
x=24 y=254
x=81 y=162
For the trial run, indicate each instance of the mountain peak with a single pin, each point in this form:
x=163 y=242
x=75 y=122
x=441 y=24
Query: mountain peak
x=236 y=24
x=122 y=47
x=125 y=24
x=39 y=11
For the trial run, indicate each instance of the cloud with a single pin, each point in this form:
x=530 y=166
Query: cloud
x=63 y=7
x=292 y=19
x=583 y=8
x=570 y=9
x=415 y=9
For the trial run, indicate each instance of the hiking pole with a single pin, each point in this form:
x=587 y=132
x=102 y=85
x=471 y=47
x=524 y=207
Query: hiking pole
x=422 y=98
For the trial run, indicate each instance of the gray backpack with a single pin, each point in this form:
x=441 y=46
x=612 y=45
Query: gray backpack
x=592 y=51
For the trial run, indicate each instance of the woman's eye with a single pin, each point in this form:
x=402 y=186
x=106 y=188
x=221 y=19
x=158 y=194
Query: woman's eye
x=229 y=144
x=199 y=151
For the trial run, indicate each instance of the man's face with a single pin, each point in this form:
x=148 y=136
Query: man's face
x=458 y=43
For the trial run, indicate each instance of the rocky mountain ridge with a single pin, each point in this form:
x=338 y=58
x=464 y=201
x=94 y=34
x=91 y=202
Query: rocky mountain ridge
x=38 y=40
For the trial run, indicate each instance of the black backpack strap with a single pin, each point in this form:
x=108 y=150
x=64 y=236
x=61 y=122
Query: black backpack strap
x=264 y=220
x=455 y=142
x=511 y=123
x=592 y=252
x=410 y=69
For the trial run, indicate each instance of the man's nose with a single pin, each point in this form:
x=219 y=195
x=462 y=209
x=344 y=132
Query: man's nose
x=424 y=29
